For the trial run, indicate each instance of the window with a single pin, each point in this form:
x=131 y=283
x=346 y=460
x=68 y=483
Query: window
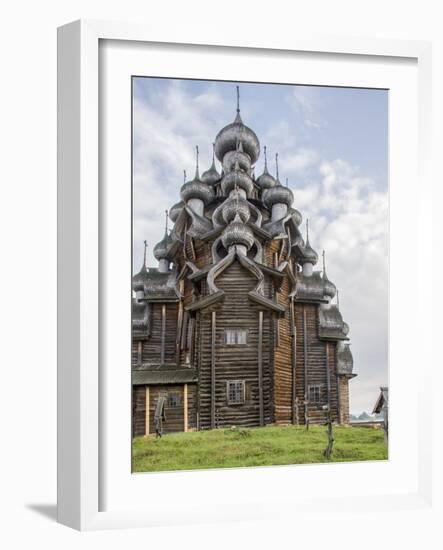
x=236 y=392
x=173 y=400
x=314 y=395
x=236 y=336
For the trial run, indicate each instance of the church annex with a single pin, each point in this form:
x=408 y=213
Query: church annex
x=236 y=326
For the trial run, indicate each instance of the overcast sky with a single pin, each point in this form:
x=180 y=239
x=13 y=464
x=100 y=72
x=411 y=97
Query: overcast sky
x=332 y=145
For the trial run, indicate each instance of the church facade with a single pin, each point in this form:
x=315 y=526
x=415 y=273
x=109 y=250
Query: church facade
x=236 y=326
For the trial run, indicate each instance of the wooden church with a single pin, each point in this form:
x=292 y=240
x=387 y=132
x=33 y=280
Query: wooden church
x=236 y=327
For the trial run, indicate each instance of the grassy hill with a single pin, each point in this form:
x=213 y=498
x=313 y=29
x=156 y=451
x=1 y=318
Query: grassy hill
x=272 y=445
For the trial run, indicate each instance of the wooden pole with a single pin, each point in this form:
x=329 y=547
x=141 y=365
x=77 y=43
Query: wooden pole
x=294 y=364
x=213 y=334
x=163 y=336
x=139 y=352
x=260 y=367
x=328 y=379
x=338 y=400
x=185 y=407
x=147 y=405
x=305 y=358
x=179 y=330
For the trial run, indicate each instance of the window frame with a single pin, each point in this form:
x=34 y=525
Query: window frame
x=320 y=389
x=243 y=392
x=236 y=332
x=176 y=395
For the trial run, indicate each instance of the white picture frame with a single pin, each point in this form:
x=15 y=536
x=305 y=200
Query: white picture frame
x=81 y=398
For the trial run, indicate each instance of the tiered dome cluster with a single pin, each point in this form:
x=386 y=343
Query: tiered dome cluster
x=231 y=204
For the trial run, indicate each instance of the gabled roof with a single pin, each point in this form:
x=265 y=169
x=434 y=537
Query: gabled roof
x=382 y=400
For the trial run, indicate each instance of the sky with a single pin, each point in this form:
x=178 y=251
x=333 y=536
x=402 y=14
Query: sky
x=333 y=148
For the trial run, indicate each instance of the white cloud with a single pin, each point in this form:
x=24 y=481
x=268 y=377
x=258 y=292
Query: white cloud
x=304 y=101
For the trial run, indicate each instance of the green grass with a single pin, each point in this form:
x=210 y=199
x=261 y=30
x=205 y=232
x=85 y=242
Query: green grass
x=269 y=446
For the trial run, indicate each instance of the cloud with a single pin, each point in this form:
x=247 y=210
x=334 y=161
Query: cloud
x=303 y=100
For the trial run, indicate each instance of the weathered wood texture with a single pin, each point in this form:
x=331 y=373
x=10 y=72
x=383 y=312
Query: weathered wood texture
x=283 y=360
x=152 y=346
x=344 y=399
x=174 y=415
x=313 y=354
x=233 y=362
x=138 y=410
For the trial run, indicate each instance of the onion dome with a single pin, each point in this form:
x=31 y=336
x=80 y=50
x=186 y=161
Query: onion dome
x=175 y=210
x=161 y=249
x=237 y=179
x=309 y=254
x=330 y=289
x=296 y=216
x=237 y=157
x=237 y=233
x=139 y=278
x=277 y=195
x=211 y=176
x=196 y=188
x=233 y=206
x=234 y=133
x=265 y=181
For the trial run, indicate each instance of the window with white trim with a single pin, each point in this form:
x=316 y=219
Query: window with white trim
x=236 y=336
x=235 y=390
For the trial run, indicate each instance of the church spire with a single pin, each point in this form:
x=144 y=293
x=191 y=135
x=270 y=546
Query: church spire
x=213 y=156
x=265 y=171
x=276 y=168
x=238 y=117
x=197 y=174
x=144 y=253
x=166 y=223
x=307 y=231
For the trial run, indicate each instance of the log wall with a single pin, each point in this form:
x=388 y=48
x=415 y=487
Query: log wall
x=152 y=346
x=174 y=415
x=232 y=362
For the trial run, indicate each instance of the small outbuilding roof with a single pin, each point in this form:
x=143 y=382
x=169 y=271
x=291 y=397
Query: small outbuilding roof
x=382 y=400
x=163 y=374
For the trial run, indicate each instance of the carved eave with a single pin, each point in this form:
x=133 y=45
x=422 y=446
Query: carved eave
x=206 y=301
x=200 y=274
x=259 y=231
x=213 y=234
x=266 y=302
